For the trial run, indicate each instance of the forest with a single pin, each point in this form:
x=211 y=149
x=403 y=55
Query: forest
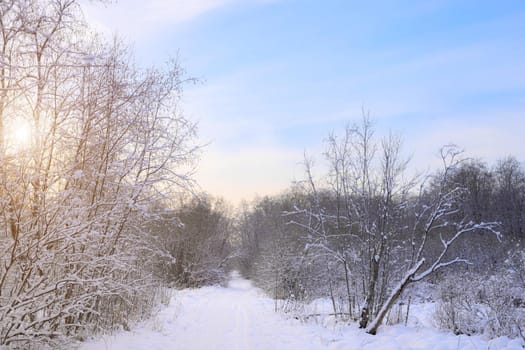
x=101 y=216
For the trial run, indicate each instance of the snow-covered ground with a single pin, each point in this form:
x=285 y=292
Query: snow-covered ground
x=241 y=317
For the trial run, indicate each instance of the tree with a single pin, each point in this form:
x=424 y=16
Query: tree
x=197 y=241
x=108 y=143
x=374 y=208
x=509 y=204
x=434 y=219
x=363 y=225
x=272 y=251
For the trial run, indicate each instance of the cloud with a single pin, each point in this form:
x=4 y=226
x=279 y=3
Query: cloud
x=139 y=19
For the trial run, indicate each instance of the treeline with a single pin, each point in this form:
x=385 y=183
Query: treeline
x=366 y=231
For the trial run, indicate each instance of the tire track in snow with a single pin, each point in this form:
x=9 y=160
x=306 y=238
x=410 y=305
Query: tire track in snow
x=237 y=326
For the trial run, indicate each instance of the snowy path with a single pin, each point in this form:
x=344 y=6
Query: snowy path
x=240 y=317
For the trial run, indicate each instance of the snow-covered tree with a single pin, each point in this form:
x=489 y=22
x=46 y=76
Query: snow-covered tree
x=106 y=142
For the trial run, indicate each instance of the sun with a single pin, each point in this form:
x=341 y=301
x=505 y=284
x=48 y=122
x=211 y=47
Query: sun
x=22 y=135
x=19 y=135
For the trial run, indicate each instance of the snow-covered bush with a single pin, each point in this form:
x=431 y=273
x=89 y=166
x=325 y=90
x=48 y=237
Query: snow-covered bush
x=457 y=309
x=479 y=304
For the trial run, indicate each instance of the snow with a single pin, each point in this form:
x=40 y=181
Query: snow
x=240 y=316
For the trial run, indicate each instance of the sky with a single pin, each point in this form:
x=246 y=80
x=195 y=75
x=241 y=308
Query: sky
x=276 y=77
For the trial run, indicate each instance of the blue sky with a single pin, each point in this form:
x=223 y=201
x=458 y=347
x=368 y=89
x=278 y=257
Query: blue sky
x=279 y=75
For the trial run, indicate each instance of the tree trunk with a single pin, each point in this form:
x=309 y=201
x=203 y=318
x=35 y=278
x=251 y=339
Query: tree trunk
x=376 y=322
x=347 y=281
x=370 y=298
